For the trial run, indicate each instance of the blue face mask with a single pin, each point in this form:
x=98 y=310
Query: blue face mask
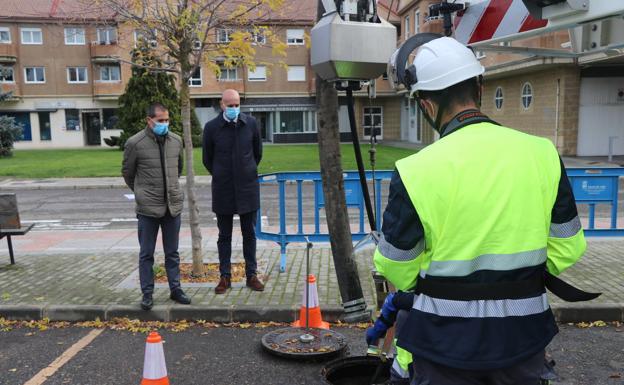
x=232 y=112
x=160 y=129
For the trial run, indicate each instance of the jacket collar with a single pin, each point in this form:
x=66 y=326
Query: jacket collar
x=150 y=134
x=242 y=118
x=463 y=119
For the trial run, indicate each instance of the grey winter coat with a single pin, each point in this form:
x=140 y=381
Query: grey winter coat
x=147 y=158
x=231 y=153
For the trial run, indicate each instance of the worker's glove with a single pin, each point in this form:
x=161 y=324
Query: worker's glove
x=384 y=321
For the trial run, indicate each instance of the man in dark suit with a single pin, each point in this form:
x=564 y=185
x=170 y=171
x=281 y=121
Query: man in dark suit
x=232 y=149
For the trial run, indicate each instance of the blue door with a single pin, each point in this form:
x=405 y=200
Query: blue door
x=22 y=118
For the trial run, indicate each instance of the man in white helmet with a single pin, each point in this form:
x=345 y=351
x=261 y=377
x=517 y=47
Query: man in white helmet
x=477 y=224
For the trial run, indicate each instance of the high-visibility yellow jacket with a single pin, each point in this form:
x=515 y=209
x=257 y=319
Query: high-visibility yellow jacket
x=472 y=223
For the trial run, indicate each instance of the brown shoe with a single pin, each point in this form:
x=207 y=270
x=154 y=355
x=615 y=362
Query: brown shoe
x=224 y=284
x=254 y=283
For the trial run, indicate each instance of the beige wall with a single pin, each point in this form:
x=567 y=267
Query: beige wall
x=540 y=117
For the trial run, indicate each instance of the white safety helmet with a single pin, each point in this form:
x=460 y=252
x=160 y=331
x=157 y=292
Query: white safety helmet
x=442 y=63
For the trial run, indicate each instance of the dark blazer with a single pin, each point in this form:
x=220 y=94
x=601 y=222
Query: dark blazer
x=231 y=153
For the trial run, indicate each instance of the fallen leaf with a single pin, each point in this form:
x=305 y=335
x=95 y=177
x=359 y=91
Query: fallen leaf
x=13 y=370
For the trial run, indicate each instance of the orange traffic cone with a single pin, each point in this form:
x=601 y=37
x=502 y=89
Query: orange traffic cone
x=154 y=368
x=314 y=311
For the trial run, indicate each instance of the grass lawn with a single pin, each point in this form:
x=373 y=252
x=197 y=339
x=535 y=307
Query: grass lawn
x=107 y=162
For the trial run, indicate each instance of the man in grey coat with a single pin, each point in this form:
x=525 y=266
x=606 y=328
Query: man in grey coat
x=152 y=165
x=232 y=149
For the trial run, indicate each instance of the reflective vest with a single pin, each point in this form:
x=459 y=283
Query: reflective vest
x=484 y=195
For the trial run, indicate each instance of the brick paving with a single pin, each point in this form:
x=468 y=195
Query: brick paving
x=78 y=271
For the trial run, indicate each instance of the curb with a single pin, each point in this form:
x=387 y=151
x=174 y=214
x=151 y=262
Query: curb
x=79 y=186
x=164 y=313
x=242 y=313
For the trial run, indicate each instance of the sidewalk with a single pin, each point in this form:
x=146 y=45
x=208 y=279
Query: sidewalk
x=81 y=275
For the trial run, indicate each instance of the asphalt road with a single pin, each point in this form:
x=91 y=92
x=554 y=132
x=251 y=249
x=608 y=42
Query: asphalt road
x=233 y=356
x=100 y=209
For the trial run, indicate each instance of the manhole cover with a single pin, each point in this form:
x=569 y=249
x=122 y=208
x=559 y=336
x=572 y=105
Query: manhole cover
x=288 y=342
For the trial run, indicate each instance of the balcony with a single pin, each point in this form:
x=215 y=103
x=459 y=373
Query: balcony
x=108 y=90
x=8 y=53
x=105 y=53
x=13 y=88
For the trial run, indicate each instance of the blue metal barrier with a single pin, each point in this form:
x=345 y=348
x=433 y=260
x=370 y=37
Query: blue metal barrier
x=597 y=186
x=591 y=186
x=354 y=199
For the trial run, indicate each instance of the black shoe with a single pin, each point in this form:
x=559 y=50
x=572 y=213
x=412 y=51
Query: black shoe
x=147 y=302
x=180 y=297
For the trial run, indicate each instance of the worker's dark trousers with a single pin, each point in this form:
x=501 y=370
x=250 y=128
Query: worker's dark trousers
x=148 y=233
x=524 y=373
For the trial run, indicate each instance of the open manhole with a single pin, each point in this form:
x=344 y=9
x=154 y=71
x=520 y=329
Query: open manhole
x=301 y=343
x=358 y=370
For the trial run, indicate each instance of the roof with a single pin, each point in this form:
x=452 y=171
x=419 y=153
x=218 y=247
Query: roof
x=293 y=11
x=53 y=9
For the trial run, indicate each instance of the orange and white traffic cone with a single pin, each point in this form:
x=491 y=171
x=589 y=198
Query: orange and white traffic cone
x=315 y=320
x=154 y=367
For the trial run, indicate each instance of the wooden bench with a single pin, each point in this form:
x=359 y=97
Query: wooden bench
x=8 y=233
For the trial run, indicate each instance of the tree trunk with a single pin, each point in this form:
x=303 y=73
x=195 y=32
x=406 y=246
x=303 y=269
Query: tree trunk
x=196 y=237
x=335 y=201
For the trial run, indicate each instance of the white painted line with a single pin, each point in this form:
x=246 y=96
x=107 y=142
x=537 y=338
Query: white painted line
x=67 y=355
x=124 y=220
x=130 y=197
x=42 y=221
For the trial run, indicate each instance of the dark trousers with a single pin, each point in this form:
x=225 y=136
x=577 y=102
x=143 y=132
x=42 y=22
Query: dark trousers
x=148 y=232
x=524 y=373
x=224 y=243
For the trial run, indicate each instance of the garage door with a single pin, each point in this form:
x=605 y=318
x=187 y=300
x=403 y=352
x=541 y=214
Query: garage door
x=601 y=116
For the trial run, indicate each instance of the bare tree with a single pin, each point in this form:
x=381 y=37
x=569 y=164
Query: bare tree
x=192 y=33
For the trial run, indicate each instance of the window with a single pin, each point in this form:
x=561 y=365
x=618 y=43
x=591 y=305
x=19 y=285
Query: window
x=417 y=22
x=258 y=37
x=373 y=117
x=72 y=120
x=109 y=116
x=407 y=27
x=110 y=73
x=5 y=35
x=74 y=36
x=294 y=36
x=224 y=35
x=32 y=36
x=77 y=74
x=6 y=74
x=498 y=98
x=107 y=35
x=296 y=73
x=228 y=74
x=196 y=78
x=146 y=36
x=527 y=95
x=296 y=121
x=258 y=75
x=34 y=74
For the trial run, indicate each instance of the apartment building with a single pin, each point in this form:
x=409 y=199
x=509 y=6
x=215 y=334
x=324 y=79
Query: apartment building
x=66 y=74
x=578 y=103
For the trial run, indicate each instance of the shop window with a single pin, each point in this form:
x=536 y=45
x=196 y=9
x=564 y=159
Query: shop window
x=72 y=120
x=110 y=118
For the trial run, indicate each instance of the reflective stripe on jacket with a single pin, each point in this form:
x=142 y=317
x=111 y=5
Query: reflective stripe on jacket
x=495 y=207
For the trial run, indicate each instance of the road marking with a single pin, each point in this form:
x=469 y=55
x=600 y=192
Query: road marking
x=67 y=355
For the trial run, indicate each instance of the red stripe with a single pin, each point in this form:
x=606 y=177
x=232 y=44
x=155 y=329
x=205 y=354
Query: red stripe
x=530 y=23
x=490 y=20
